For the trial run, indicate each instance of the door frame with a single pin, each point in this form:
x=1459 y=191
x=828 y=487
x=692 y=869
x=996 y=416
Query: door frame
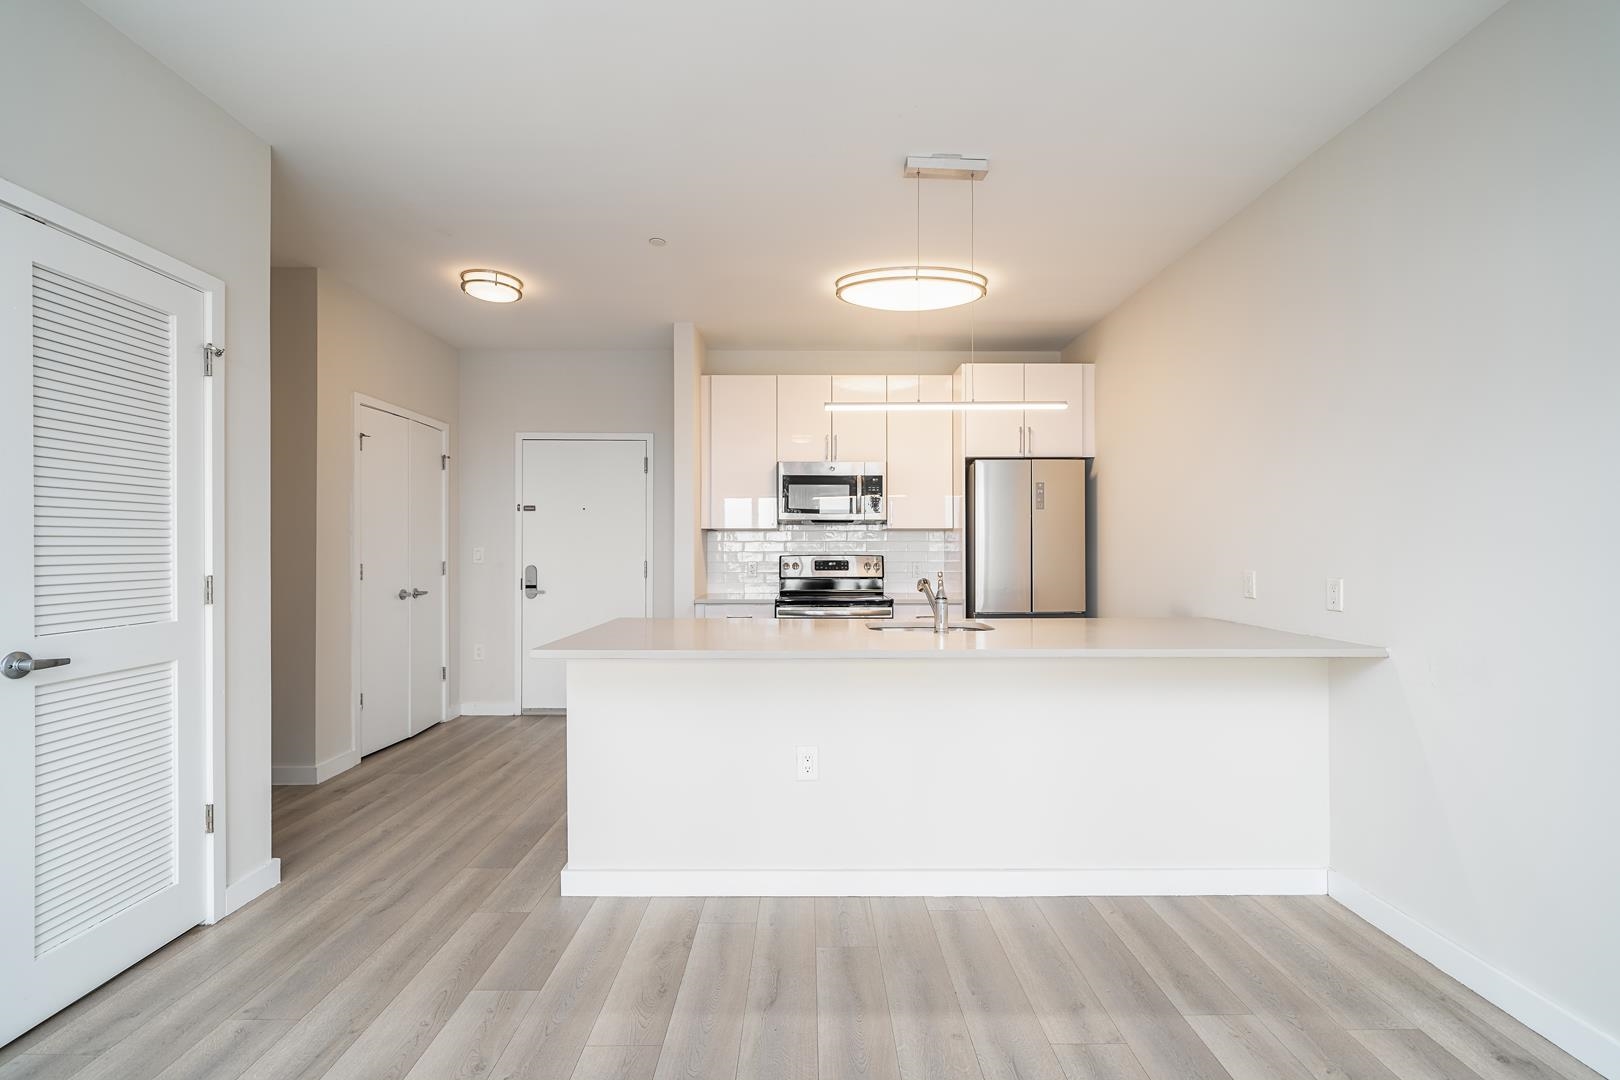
x=217 y=903
x=643 y=437
x=355 y=624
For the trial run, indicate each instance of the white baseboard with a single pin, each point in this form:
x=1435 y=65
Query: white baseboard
x=489 y=708
x=1171 y=881
x=318 y=773
x=253 y=884
x=1596 y=1048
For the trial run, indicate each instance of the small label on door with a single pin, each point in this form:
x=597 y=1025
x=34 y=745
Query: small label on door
x=1040 y=494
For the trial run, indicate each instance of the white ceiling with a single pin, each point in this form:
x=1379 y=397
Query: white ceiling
x=764 y=139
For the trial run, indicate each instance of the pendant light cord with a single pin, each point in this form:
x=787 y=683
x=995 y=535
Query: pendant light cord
x=973 y=265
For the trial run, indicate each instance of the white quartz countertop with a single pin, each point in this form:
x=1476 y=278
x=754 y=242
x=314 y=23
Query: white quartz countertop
x=840 y=639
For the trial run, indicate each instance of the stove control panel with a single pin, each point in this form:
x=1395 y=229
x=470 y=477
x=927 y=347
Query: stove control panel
x=829 y=566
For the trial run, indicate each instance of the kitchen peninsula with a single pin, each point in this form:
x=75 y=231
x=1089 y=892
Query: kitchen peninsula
x=1043 y=757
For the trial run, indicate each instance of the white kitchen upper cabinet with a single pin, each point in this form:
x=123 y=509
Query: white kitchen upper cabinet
x=1057 y=434
x=859 y=436
x=803 y=424
x=993 y=434
x=919 y=464
x=739 y=451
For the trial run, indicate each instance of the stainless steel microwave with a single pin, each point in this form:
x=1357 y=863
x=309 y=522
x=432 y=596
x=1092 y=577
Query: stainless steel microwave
x=831 y=491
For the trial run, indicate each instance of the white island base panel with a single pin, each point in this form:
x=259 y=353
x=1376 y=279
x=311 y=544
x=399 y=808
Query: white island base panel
x=998 y=777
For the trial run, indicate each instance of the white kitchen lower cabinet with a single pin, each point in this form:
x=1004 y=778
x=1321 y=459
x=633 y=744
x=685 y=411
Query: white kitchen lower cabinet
x=765 y=610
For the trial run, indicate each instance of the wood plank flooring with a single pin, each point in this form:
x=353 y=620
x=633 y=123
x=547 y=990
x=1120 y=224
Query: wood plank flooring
x=419 y=934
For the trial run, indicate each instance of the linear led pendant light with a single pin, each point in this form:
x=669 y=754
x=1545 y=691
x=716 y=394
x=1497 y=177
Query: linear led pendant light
x=918 y=287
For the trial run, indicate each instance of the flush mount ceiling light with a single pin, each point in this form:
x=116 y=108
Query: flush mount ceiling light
x=491 y=285
x=918 y=287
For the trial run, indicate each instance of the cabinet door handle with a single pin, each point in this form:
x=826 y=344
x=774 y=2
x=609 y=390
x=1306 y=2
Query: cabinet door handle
x=1029 y=440
x=835 y=446
x=1020 y=440
x=826 y=448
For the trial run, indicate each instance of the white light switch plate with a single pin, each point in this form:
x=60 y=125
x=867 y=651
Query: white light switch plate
x=1250 y=585
x=478 y=555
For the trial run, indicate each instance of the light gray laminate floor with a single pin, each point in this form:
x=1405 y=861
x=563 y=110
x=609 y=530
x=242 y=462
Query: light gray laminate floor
x=419 y=933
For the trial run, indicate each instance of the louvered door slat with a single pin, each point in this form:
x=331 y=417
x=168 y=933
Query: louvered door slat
x=103 y=462
x=104 y=754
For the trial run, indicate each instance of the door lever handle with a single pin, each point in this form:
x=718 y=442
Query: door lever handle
x=18 y=664
x=418 y=592
x=531 y=582
x=404 y=594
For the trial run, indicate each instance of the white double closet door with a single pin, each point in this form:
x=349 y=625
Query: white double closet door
x=400 y=530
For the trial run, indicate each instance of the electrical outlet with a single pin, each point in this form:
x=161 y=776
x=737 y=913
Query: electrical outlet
x=1335 y=594
x=478 y=652
x=806 y=765
x=1250 y=585
x=478 y=555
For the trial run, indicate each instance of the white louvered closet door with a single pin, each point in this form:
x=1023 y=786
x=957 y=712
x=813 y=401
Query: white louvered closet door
x=101 y=562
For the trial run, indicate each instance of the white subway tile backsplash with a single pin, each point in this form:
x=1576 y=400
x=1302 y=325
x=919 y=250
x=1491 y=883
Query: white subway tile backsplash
x=743 y=563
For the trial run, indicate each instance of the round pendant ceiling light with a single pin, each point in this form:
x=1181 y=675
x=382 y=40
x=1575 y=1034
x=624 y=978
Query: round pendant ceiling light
x=920 y=287
x=911 y=288
x=491 y=285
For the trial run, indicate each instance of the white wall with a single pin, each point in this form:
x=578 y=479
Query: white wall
x=95 y=124
x=1398 y=367
x=503 y=393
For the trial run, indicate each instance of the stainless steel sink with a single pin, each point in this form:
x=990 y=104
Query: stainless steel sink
x=928 y=626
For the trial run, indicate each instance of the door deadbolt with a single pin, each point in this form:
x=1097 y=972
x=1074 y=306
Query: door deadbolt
x=531 y=582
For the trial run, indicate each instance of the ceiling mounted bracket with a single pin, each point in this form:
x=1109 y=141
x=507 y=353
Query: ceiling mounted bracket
x=946 y=167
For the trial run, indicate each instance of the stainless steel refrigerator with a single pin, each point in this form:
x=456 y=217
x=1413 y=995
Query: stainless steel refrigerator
x=1026 y=536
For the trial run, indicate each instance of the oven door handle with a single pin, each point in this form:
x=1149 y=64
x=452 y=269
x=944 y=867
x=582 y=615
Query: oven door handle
x=801 y=612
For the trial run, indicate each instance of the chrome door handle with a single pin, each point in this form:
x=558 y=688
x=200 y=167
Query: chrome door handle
x=1029 y=439
x=826 y=448
x=404 y=594
x=835 y=446
x=418 y=592
x=1020 y=439
x=18 y=664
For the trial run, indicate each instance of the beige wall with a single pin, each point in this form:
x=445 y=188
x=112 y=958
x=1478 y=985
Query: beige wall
x=332 y=343
x=1398 y=367
x=503 y=393
x=293 y=382
x=94 y=123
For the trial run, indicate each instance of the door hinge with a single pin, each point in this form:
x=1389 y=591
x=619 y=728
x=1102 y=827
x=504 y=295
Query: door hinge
x=444 y=462
x=362 y=571
x=444 y=568
x=211 y=352
x=208 y=818
x=362 y=699
x=208 y=589
x=444 y=673
x=643 y=568
x=644 y=466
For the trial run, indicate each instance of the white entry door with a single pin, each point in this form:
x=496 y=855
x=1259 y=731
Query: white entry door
x=400 y=529
x=102 y=842
x=584 y=547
